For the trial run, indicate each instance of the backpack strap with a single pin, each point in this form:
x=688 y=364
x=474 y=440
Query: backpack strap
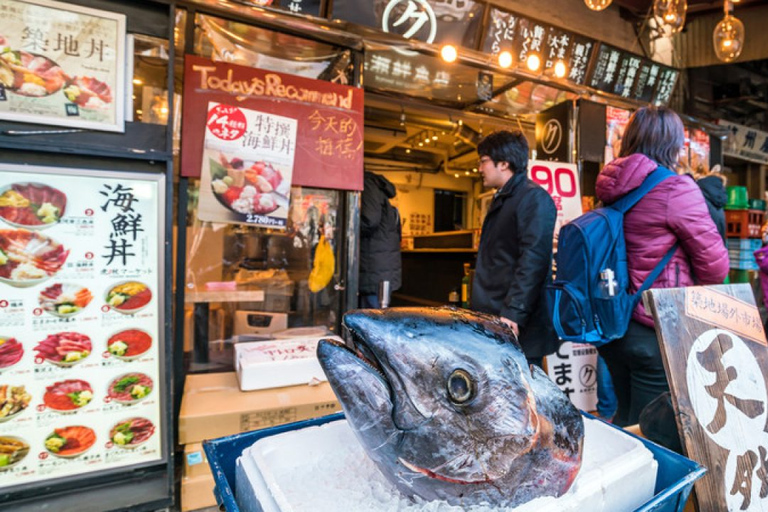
x=628 y=201
x=656 y=271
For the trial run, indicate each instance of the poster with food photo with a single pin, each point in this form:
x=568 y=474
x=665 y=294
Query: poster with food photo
x=62 y=64
x=80 y=323
x=247 y=166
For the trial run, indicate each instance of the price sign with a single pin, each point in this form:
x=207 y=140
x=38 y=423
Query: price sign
x=561 y=181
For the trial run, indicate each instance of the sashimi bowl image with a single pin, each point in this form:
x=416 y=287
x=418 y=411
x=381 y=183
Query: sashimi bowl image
x=130 y=388
x=68 y=396
x=88 y=93
x=129 y=344
x=247 y=187
x=64 y=300
x=29 y=74
x=31 y=205
x=12 y=451
x=132 y=433
x=11 y=352
x=69 y=442
x=128 y=297
x=64 y=348
x=13 y=401
x=28 y=258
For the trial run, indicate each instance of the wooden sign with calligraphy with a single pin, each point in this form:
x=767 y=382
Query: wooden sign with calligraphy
x=329 y=137
x=715 y=355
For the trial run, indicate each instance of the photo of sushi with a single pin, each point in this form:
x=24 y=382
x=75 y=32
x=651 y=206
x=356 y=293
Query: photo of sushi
x=13 y=401
x=31 y=205
x=64 y=348
x=132 y=433
x=64 y=300
x=12 y=451
x=68 y=395
x=69 y=442
x=130 y=388
x=247 y=188
x=28 y=258
x=128 y=297
x=11 y=352
x=88 y=93
x=29 y=74
x=129 y=344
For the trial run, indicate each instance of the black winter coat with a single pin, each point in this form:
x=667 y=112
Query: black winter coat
x=716 y=197
x=514 y=262
x=380 y=235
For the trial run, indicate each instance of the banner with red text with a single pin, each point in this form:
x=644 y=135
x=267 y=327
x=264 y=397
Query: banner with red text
x=329 y=118
x=561 y=180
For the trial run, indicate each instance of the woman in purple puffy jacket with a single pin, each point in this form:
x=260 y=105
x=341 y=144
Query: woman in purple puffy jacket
x=673 y=211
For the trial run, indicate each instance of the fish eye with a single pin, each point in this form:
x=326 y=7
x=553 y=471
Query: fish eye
x=461 y=387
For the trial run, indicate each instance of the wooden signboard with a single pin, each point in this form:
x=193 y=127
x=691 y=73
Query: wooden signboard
x=715 y=355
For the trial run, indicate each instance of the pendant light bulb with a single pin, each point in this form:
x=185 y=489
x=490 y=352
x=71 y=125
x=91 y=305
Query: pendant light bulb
x=598 y=5
x=728 y=38
x=670 y=14
x=505 y=59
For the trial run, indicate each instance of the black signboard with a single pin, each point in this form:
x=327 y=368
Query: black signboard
x=552 y=133
x=646 y=81
x=666 y=84
x=311 y=7
x=578 y=61
x=502 y=27
x=605 y=68
x=625 y=79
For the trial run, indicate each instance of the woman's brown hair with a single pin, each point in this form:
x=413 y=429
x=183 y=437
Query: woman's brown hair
x=656 y=132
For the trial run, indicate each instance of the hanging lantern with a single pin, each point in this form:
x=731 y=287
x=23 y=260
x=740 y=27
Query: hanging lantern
x=670 y=14
x=728 y=37
x=598 y=5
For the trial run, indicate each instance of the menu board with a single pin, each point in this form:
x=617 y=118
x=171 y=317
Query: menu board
x=666 y=85
x=605 y=70
x=80 y=309
x=62 y=64
x=646 y=81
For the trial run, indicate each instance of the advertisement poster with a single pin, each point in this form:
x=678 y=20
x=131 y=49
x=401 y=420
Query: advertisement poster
x=574 y=369
x=247 y=166
x=80 y=309
x=62 y=64
x=328 y=150
x=561 y=180
x=616 y=120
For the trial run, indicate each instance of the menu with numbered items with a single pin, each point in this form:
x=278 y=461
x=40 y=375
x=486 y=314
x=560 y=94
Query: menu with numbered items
x=80 y=322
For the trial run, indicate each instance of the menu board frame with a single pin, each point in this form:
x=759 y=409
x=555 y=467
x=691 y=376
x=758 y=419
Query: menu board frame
x=164 y=422
x=70 y=48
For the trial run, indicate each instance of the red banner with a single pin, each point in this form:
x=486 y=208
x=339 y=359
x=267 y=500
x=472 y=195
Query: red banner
x=329 y=142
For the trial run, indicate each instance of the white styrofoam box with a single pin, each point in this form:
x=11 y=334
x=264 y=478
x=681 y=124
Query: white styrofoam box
x=325 y=469
x=278 y=363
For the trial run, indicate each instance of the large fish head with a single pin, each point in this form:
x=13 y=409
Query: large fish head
x=442 y=399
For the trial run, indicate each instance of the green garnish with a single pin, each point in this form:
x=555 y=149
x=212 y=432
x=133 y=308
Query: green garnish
x=125 y=383
x=123 y=434
x=55 y=442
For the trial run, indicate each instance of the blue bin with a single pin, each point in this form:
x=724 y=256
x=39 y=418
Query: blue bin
x=674 y=480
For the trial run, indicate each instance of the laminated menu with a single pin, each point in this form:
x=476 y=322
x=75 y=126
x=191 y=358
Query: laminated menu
x=80 y=316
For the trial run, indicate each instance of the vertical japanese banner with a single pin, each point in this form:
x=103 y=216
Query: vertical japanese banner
x=62 y=64
x=81 y=342
x=574 y=369
x=247 y=166
x=715 y=356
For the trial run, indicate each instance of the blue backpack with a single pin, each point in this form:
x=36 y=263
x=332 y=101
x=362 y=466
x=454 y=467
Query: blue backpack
x=589 y=301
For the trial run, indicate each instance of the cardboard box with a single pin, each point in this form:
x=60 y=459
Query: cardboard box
x=197 y=492
x=195 y=461
x=278 y=363
x=213 y=406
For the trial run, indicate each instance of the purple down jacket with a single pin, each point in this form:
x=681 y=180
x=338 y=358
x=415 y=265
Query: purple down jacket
x=673 y=210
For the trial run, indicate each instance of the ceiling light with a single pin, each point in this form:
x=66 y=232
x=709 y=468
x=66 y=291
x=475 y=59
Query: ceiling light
x=456 y=175
x=533 y=62
x=560 y=69
x=728 y=37
x=671 y=14
x=474 y=170
x=449 y=53
x=505 y=59
x=421 y=144
x=466 y=173
x=408 y=150
x=434 y=137
x=597 y=5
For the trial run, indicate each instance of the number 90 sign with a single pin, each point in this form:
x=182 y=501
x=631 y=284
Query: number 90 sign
x=559 y=181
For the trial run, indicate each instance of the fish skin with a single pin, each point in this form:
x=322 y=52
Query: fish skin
x=518 y=439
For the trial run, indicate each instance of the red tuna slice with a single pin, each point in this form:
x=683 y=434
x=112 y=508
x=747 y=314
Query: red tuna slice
x=11 y=353
x=56 y=346
x=137 y=301
x=58 y=396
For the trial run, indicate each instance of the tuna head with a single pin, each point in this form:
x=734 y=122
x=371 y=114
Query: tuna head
x=447 y=407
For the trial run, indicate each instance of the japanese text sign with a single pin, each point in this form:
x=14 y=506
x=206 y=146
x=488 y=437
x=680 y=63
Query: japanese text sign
x=715 y=353
x=574 y=369
x=62 y=64
x=561 y=180
x=329 y=119
x=745 y=142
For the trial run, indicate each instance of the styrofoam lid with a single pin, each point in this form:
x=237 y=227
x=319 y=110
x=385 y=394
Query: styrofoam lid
x=301 y=332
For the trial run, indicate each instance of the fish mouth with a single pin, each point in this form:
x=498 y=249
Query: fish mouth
x=436 y=476
x=362 y=354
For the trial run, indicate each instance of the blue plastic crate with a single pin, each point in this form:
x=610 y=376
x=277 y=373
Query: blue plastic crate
x=674 y=480
x=749 y=245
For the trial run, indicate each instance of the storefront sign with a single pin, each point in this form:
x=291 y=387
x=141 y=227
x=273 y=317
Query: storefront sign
x=329 y=118
x=81 y=304
x=745 y=142
x=561 y=180
x=553 y=141
x=574 y=369
x=715 y=353
x=247 y=166
x=62 y=64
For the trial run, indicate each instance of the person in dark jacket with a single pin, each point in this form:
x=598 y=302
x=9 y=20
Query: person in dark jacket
x=380 y=235
x=514 y=260
x=712 y=186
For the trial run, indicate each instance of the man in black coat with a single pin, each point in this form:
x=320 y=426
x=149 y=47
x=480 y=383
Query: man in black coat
x=380 y=235
x=514 y=260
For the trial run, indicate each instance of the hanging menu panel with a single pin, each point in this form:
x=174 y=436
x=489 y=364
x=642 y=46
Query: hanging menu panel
x=667 y=80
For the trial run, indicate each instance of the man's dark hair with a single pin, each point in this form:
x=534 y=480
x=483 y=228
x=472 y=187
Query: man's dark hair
x=656 y=132
x=506 y=146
